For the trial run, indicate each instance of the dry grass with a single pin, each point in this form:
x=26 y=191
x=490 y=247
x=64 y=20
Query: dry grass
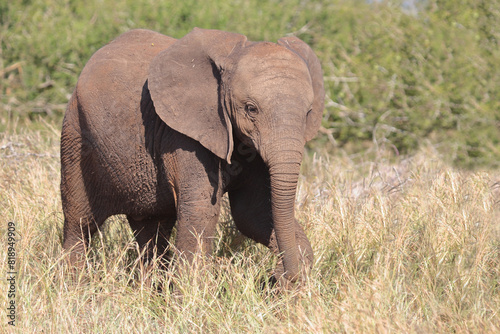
x=409 y=246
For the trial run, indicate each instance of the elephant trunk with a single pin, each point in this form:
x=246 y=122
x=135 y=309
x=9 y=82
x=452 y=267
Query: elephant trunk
x=284 y=170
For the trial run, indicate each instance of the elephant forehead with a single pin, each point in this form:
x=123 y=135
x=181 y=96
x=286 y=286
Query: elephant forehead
x=266 y=56
x=268 y=65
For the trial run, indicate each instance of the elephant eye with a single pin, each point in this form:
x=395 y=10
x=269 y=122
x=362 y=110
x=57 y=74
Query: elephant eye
x=251 y=109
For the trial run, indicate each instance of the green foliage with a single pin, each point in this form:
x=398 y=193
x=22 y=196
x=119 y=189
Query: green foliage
x=397 y=79
x=394 y=78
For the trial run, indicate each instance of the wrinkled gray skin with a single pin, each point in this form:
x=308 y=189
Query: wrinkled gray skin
x=159 y=129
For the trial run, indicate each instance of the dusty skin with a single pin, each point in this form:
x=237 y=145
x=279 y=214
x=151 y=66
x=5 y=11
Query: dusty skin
x=159 y=129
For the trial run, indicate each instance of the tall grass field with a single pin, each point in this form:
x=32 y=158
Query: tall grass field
x=399 y=194
x=409 y=245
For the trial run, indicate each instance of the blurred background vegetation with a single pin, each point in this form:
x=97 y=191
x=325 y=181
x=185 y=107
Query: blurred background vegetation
x=398 y=74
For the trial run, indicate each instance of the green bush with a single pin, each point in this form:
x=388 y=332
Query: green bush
x=395 y=78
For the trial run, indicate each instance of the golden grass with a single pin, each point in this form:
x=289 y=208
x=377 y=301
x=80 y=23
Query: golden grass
x=405 y=246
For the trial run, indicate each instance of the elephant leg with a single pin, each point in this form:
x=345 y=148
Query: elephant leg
x=77 y=233
x=152 y=235
x=198 y=193
x=81 y=219
x=198 y=211
x=251 y=210
x=305 y=250
x=196 y=227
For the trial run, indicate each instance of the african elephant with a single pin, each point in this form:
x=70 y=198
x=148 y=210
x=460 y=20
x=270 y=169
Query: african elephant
x=159 y=129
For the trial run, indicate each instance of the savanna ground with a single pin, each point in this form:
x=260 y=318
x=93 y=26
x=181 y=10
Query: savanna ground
x=399 y=195
x=402 y=245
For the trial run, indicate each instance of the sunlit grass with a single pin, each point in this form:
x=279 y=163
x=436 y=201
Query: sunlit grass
x=410 y=245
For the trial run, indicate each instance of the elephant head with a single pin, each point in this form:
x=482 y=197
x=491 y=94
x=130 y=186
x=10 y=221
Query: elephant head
x=211 y=84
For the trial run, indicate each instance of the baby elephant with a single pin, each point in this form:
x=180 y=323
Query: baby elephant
x=159 y=129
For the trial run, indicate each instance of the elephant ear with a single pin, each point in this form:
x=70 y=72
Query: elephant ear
x=307 y=54
x=184 y=82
